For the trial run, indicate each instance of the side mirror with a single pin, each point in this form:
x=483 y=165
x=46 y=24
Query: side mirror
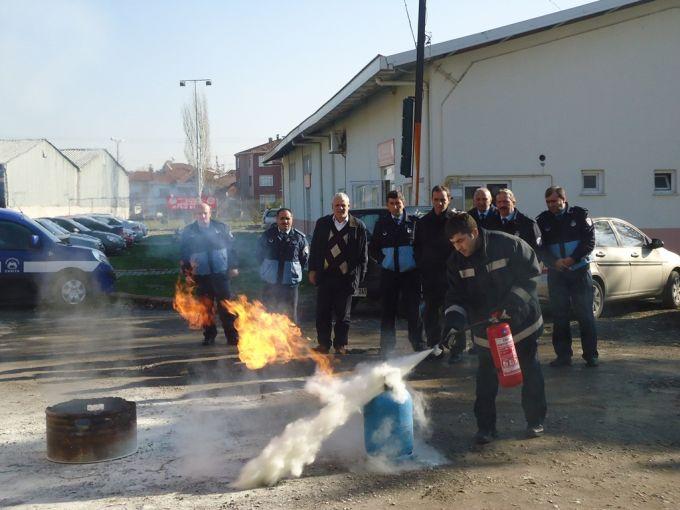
x=656 y=243
x=35 y=241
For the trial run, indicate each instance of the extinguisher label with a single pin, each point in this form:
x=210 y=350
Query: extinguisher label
x=507 y=355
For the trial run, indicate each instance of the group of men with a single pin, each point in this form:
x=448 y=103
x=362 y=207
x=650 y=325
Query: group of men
x=472 y=269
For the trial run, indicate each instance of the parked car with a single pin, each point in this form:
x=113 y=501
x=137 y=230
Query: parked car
x=112 y=243
x=94 y=224
x=138 y=229
x=627 y=265
x=34 y=264
x=72 y=239
x=269 y=217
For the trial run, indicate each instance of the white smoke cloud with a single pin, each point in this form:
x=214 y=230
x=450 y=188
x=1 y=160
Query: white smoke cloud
x=298 y=445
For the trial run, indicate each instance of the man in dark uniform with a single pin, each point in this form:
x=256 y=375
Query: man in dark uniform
x=283 y=253
x=493 y=274
x=209 y=260
x=510 y=220
x=337 y=264
x=432 y=249
x=568 y=238
x=483 y=211
x=392 y=247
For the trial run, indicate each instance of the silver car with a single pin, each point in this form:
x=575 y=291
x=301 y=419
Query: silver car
x=627 y=264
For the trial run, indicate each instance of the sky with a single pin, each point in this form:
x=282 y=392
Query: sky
x=80 y=72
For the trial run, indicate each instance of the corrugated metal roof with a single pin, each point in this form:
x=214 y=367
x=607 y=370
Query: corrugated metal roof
x=82 y=157
x=10 y=149
x=395 y=66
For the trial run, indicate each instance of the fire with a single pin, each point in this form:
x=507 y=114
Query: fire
x=198 y=312
x=266 y=337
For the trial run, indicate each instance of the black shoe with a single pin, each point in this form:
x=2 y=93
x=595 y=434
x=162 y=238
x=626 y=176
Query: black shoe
x=560 y=361
x=454 y=358
x=472 y=350
x=208 y=341
x=535 y=430
x=341 y=351
x=485 y=436
x=592 y=362
x=420 y=347
x=321 y=349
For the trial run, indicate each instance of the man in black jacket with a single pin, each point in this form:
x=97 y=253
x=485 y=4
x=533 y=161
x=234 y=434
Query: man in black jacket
x=432 y=248
x=337 y=264
x=494 y=274
x=392 y=247
x=483 y=211
x=510 y=220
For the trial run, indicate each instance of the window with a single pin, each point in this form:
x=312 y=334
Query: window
x=14 y=236
x=604 y=235
x=267 y=200
x=592 y=182
x=630 y=236
x=266 y=180
x=664 y=182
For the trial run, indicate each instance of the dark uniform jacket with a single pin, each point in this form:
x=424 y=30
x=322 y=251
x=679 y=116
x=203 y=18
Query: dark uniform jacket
x=570 y=234
x=488 y=219
x=520 y=225
x=207 y=250
x=357 y=247
x=432 y=250
x=282 y=256
x=501 y=275
x=392 y=243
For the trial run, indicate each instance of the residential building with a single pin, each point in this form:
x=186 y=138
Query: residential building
x=256 y=180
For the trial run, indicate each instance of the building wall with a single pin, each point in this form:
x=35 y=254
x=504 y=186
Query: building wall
x=104 y=186
x=42 y=182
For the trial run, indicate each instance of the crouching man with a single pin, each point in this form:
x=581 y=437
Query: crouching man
x=494 y=273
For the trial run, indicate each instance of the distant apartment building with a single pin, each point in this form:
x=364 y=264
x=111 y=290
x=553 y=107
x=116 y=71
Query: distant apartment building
x=256 y=180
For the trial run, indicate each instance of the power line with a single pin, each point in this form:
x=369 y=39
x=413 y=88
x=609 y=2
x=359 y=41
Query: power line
x=409 y=24
x=555 y=4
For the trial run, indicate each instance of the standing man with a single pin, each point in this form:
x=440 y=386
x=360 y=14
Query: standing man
x=568 y=238
x=483 y=211
x=209 y=260
x=432 y=249
x=337 y=264
x=392 y=247
x=283 y=252
x=493 y=274
x=511 y=221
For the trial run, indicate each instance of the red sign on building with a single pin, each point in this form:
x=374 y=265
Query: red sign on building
x=188 y=203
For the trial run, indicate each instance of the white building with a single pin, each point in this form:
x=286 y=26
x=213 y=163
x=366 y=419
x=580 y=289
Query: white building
x=39 y=179
x=104 y=184
x=593 y=89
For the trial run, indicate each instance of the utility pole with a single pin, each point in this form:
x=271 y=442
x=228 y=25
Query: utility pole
x=418 y=108
x=199 y=172
x=117 y=141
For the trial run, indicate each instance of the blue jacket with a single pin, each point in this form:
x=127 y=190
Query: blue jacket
x=282 y=256
x=207 y=251
x=392 y=243
x=570 y=234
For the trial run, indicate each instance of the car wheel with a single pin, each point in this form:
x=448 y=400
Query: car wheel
x=671 y=294
x=71 y=290
x=598 y=299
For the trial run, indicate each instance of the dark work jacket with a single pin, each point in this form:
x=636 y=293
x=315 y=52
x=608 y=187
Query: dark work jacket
x=488 y=219
x=207 y=251
x=358 y=249
x=282 y=256
x=570 y=234
x=501 y=275
x=521 y=226
x=392 y=241
x=432 y=250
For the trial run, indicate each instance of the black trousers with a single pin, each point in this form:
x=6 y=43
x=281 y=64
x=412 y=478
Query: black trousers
x=333 y=298
x=215 y=287
x=572 y=289
x=433 y=319
x=281 y=299
x=533 y=388
x=394 y=286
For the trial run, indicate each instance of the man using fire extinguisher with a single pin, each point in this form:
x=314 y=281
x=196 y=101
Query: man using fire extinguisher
x=493 y=275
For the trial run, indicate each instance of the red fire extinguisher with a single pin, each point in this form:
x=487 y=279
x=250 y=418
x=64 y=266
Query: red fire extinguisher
x=504 y=354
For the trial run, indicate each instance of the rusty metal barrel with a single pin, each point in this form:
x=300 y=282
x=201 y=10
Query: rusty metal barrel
x=91 y=430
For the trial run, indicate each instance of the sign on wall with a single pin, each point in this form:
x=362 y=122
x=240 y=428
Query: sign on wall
x=187 y=203
x=386 y=153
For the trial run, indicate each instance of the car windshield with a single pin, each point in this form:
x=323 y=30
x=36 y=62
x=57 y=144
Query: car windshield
x=55 y=229
x=42 y=229
x=369 y=219
x=271 y=214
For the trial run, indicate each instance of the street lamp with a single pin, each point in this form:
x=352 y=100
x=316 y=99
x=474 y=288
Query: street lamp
x=117 y=141
x=199 y=173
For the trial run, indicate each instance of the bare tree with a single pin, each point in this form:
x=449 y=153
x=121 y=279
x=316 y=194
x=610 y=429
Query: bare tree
x=197 y=136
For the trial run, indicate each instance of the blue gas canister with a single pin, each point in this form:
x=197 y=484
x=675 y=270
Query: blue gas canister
x=388 y=426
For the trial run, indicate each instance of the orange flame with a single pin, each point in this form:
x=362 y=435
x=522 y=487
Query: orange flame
x=266 y=338
x=197 y=311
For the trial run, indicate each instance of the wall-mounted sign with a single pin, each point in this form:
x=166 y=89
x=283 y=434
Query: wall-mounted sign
x=308 y=181
x=386 y=153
